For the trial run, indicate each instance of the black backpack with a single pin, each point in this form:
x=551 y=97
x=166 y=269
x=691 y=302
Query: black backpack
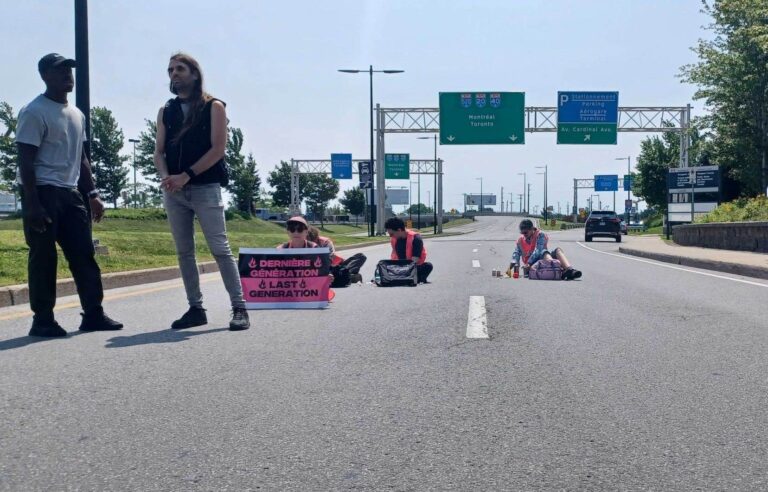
x=393 y=273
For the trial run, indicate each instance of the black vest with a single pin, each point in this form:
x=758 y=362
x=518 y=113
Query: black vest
x=183 y=154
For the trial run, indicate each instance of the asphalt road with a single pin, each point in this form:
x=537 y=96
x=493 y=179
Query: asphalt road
x=640 y=376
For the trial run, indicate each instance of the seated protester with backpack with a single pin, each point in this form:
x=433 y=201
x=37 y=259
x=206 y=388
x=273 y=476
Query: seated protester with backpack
x=344 y=271
x=408 y=245
x=532 y=246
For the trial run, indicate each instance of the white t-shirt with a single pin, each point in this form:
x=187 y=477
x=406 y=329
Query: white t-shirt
x=58 y=131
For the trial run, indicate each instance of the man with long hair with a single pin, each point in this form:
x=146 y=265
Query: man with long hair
x=189 y=157
x=55 y=175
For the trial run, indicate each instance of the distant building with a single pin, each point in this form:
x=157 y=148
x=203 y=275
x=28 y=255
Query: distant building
x=8 y=203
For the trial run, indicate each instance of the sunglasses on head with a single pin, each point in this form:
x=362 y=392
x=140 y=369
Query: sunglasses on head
x=296 y=228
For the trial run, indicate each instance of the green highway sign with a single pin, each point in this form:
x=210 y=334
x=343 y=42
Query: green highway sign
x=471 y=118
x=397 y=166
x=580 y=133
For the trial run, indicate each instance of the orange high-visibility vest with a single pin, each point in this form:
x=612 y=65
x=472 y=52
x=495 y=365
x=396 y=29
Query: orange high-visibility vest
x=528 y=248
x=408 y=248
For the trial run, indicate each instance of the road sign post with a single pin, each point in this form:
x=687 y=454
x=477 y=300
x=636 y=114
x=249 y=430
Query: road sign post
x=471 y=118
x=587 y=118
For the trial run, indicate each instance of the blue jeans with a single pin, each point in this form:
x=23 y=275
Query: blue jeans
x=204 y=202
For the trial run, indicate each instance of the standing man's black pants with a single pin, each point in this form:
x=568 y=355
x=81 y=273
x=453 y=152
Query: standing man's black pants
x=71 y=229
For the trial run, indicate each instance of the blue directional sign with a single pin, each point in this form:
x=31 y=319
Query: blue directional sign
x=586 y=118
x=341 y=166
x=606 y=182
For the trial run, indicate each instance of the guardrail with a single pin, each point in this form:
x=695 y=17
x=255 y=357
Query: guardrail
x=570 y=225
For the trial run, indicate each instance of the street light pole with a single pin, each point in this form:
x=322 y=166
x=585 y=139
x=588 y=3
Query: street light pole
x=544 y=167
x=434 y=204
x=525 y=190
x=370 y=72
x=629 y=188
x=134 y=142
x=481 y=194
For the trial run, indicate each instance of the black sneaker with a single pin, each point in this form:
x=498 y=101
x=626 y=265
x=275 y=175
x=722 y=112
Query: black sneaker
x=99 y=322
x=49 y=329
x=355 y=278
x=195 y=316
x=239 y=320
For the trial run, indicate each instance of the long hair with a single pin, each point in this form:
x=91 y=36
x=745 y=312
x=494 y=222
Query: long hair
x=197 y=99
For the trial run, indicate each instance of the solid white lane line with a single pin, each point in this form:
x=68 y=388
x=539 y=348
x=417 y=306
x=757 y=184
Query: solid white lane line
x=477 y=321
x=665 y=265
x=476 y=263
x=474 y=250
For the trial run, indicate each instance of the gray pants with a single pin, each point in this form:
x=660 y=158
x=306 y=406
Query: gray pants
x=203 y=201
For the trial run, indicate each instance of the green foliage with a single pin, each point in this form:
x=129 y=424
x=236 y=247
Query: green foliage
x=354 y=202
x=657 y=155
x=740 y=210
x=108 y=165
x=319 y=189
x=732 y=76
x=280 y=180
x=414 y=209
x=8 y=163
x=244 y=185
x=145 y=151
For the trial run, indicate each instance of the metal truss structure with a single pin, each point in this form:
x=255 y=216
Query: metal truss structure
x=640 y=119
x=323 y=166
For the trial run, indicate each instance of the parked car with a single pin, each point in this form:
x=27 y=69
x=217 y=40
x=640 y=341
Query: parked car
x=623 y=226
x=602 y=223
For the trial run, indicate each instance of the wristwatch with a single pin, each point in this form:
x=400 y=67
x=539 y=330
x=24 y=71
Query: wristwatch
x=189 y=172
x=93 y=194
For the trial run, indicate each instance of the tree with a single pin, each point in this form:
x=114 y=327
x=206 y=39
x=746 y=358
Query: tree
x=8 y=159
x=319 y=189
x=109 y=166
x=354 y=202
x=280 y=180
x=732 y=75
x=414 y=209
x=657 y=155
x=244 y=185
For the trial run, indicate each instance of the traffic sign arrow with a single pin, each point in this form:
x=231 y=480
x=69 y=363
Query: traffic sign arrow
x=513 y=138
x=451 y=138
x=587 y=137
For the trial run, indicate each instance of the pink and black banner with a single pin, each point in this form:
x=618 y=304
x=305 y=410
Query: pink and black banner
x=285 y=278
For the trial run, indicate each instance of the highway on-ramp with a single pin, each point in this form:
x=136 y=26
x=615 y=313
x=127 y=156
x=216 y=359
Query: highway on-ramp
x=640 y=375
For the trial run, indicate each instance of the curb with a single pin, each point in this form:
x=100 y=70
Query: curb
x=14 y=295
x=720 y=266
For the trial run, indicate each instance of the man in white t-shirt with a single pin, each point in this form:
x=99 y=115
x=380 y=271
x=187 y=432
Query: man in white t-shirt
x=55 y=174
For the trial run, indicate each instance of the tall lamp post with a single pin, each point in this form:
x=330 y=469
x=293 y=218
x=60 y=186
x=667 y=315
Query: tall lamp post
x=525 y=190
x=629 y=188
x=544 y=167
x=481 y=193
x=370 y=73
x=434 y=205
x=134 y=141
x=410 y=202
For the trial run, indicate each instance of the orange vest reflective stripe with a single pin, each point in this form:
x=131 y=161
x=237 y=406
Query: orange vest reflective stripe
x=408 y=248
x=528 y=248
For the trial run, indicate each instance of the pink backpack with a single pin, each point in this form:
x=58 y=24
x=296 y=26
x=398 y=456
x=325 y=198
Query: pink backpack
x=546 y=270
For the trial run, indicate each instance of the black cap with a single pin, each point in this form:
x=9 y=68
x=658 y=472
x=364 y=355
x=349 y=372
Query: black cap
x=52 y=60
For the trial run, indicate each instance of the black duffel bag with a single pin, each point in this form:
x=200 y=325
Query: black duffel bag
x=393 y=273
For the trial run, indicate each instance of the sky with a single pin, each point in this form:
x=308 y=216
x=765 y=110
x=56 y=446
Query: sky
x=275 y=64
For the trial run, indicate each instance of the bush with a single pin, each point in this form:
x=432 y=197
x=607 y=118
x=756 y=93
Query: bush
x=137 y=213
x=739 y=210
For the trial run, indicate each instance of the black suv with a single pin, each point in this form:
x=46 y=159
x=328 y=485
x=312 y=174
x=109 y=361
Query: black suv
x=602 y=224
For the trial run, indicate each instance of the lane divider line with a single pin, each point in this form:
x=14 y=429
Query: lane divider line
x=476 y=263
x=666 y=265
x=474 y=250
x=477 y=320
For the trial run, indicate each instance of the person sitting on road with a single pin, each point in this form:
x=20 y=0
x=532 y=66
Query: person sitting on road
x=344 y=271
x=532 y=246
x=297 y=229
x=408 y=245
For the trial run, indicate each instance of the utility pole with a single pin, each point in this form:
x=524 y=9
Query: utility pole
x=502 y=199
x=135 y=195
x=528 y=199
x=520 y=202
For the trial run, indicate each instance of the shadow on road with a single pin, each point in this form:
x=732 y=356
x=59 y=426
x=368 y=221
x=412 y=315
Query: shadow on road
x=162 y=336
x=20 y=342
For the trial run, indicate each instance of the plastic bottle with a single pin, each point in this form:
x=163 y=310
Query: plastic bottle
x=377 y=277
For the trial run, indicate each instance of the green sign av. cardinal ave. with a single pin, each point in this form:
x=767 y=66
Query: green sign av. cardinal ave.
x=471 y=118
